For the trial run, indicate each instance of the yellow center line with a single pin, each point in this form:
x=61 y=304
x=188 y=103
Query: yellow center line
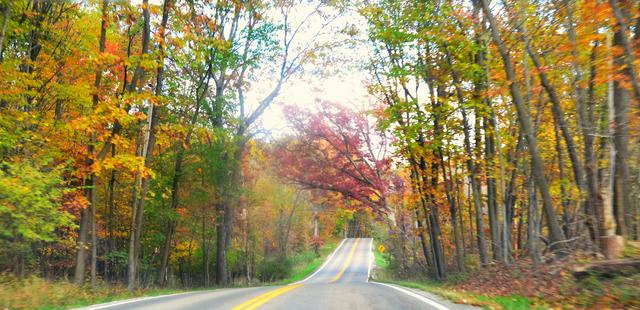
x=347 y=263
x=262 y=299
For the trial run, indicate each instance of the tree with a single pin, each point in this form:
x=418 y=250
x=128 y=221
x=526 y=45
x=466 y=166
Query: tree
x=336 y=150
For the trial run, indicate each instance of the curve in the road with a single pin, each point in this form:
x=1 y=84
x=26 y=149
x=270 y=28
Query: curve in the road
x=342 y=282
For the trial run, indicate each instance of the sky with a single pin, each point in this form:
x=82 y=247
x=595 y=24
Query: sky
x=341 y=80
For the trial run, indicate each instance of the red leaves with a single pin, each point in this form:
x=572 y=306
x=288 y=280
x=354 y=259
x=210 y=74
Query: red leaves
x=336 y=149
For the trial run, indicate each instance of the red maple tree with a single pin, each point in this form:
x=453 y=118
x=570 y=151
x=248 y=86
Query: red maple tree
x=337 y=149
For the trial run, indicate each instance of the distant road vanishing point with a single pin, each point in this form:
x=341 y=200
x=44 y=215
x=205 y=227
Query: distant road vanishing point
x=341 y=283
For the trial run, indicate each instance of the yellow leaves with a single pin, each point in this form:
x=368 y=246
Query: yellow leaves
x=123 y=162
x=106 y=58
x=177 y=42
x=183 y=250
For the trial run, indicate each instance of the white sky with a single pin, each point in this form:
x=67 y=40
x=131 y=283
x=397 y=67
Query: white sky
x=348 y=89
x=345 y=84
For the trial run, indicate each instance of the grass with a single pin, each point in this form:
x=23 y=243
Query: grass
x=461 y=297
x=37 y=293
x=383 y=274
x=381 y=259
x=305 y=263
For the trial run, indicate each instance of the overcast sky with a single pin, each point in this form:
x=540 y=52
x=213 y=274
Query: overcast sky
x=343 y=79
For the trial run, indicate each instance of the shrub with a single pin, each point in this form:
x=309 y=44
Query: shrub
x=272 y=269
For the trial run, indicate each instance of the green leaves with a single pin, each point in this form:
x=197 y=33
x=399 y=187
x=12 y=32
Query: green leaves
x=29 y=202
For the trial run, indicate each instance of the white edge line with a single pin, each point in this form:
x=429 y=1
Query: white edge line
x=128 y=301
x=371 y=256
x=323 y=265
x=417 y=296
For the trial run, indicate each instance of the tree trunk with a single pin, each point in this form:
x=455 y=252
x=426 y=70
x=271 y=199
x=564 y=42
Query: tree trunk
x=621 y=39
x=90 y=182
x=607 y=221
x=423 y=241
x=621 y=102
x=81 y=247
x=558 y=113
x=452 y=212
x=177 y=174
x=110 y=212
x=205 y=251
x=564 y=199
x=510 y=196
x=555 y=232
x=149 y=140
x=175 y=190
x=5 y=19
x=585 y=109
x=94 y=231
x=533 y=223
x=492 y=200
x=475 y=187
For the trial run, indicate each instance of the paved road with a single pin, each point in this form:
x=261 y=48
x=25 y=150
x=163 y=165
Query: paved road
x=341 y=283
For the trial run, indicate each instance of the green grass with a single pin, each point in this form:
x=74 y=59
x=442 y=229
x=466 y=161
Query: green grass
x=514 y=302
x=381 y=259
x=37 y=293
x=382 y=274
x=305 y=263
x=485 y=301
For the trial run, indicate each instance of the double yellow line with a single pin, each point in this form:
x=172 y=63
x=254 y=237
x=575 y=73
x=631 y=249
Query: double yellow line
x=346 y=263
x=262 y=299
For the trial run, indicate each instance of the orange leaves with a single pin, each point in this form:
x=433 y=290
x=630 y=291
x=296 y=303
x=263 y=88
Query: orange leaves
x=123 y=162
x=74 y=201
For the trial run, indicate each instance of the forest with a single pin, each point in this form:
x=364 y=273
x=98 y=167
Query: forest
x=134 y=151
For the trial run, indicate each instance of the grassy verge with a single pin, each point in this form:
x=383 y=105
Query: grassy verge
x=383 y=274
x=488 y=302
x=36 y=293
x=305 y=263
x=381 y=259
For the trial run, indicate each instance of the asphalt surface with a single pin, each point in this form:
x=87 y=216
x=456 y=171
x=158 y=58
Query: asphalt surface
x=341 y=283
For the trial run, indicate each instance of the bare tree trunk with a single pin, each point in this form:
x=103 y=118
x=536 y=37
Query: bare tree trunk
x=557 y=237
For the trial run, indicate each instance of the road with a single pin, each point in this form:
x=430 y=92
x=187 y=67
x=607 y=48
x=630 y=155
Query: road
x=341 y=283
